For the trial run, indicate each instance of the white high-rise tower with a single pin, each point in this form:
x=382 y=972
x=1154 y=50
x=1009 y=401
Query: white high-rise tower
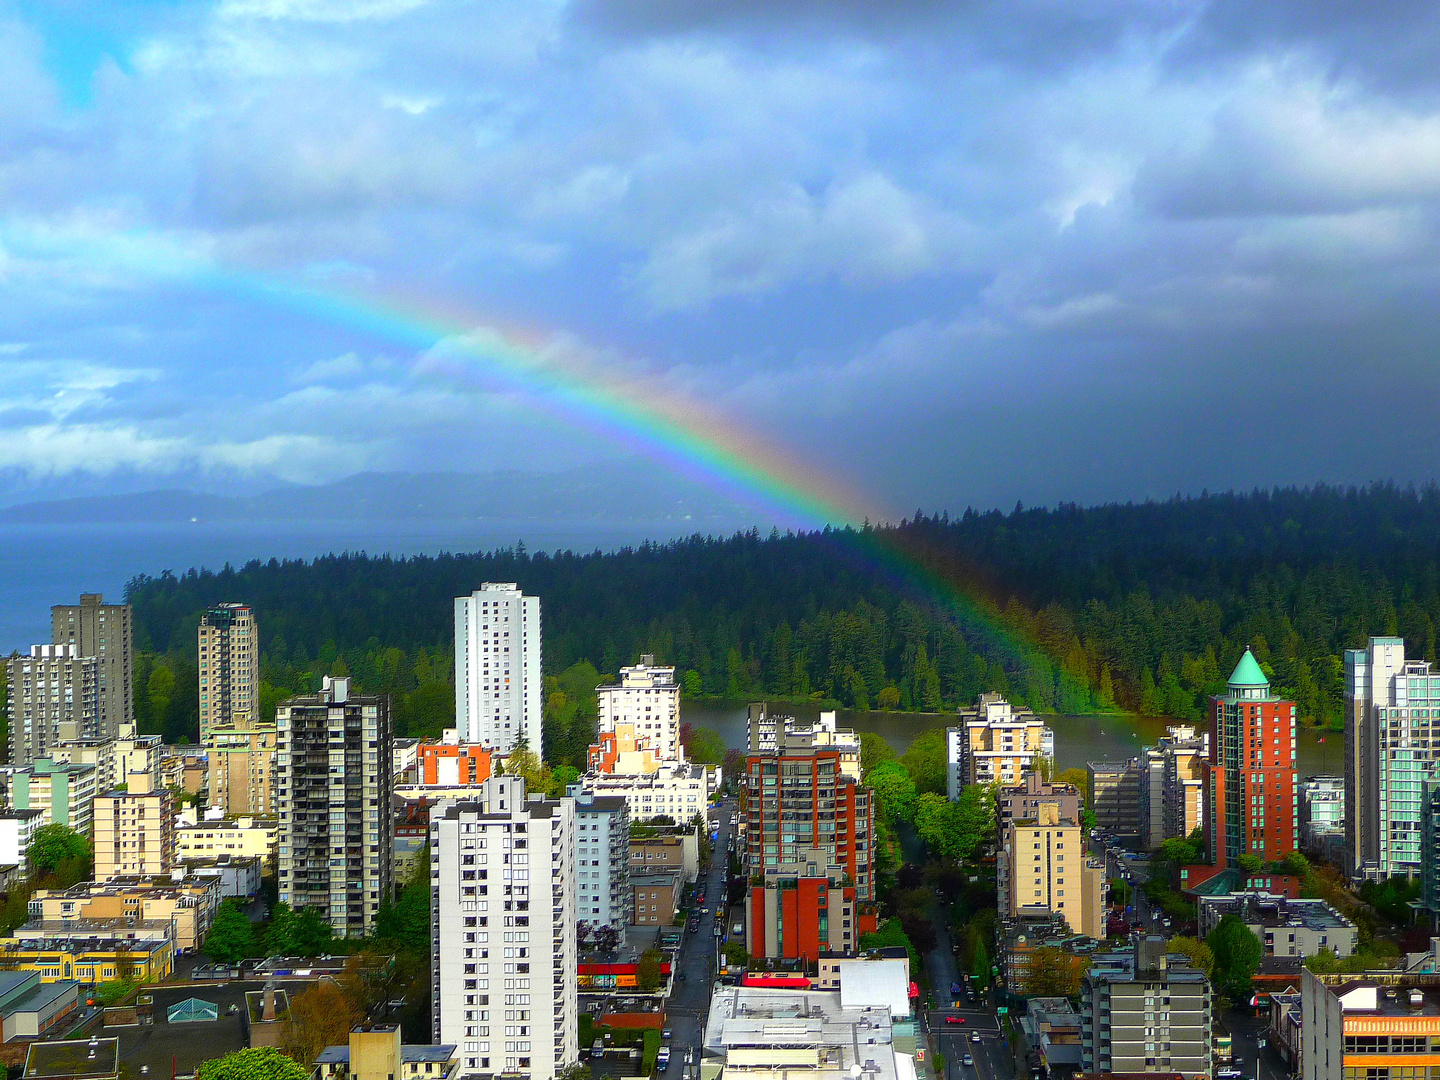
x=503 y=914
x=497 y=667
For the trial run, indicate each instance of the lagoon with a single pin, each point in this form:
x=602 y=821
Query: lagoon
x=1078 y=739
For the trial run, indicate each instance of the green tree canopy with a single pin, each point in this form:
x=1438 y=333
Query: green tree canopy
x=648 y=972
x=230 y=938
x=1237 y=952
x=298 y=933
x=894 y=791
x=53 y=845
x=704 y=747
x=253 y=1063
x=1201 y=958
x=1052 y=972
x=925 y=761
x=873 y=750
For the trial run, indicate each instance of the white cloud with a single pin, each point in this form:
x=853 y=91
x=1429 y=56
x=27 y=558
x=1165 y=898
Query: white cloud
x=324 y=11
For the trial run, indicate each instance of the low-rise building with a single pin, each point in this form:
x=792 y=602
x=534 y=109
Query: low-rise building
x=266 y=1012
x=1018 y=937
x=186 y=908
x=1286 y=926
x=64 y=794
x=226 y=836
x=17 y=829
x=91 y=954
x=236 y=875
x=451 y=763
x=677 y=851
x=29 y=1008
x=375 y=1052
x=751 y=1032
x=680 y=792
x=1376 y=1024
x=134 y=830
x=657 y=899
x=73 y=1059
x=1052 y=1029
x=1146 y=1011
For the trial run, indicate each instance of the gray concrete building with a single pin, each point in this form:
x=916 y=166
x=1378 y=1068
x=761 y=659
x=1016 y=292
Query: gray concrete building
x=1145 y=1011
x=106 y=632
x=337 y=845
x=1286 y=927
x=54 y=691
x=602 y=865
x=1115 y=796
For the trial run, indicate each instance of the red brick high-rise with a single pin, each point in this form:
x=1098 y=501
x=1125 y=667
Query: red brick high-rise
x=810 y=842
x=1251 y=801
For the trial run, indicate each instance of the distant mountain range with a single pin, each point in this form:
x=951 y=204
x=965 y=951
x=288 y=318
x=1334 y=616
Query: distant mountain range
x=628 y=494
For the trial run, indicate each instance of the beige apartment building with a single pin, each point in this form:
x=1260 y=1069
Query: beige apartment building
x=662 y=854
x=1049 y=871
x=242 y=767
x=657 y=898
x=229 y=666
x=228 y=836
x=134 y=831
x=995 y=743
x=188 y=907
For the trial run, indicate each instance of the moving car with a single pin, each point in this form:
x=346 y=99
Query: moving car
x=666 y=1033
x=967 y=1060
x=954 y=1019
x=975 y=1037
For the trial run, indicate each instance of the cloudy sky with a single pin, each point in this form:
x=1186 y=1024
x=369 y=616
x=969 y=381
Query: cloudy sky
x=951 y=253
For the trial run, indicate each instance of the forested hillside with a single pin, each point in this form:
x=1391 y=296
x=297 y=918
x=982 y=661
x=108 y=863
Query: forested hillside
x=1142 y=607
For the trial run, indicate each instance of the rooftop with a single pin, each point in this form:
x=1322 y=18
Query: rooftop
x=764 y=1028
x=332 y=1055
x=1247 y=672
x=1271 y=911
x=72 y=1058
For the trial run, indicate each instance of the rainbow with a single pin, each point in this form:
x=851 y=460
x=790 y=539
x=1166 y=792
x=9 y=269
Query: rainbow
x=603 y=394
x=686 y=437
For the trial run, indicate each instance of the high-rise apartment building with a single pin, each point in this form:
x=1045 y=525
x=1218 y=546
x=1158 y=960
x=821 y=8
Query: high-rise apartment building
x=1251 y=802
x=807 y=794
x=1144 y=1011
x=602 y=865
x=1115 y=796
x=241 y=767
x=1392 y=742
x=498 y=686
x=649 y=698
x=503 y=915
x=229 y=666
x=1022 y=803
x=1048 y=871
x=806 y=910
x=134 y=831
x=333 y=790
x=106 y=632
x=995 y=743
x=1322 y=813
x=55 y=685
x=1171 y=785
x=63 y=793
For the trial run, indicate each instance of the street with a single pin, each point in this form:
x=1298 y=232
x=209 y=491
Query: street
x=690 y=998
x=994 y=1059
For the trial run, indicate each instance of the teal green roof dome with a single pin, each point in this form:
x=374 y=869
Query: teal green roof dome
x=1247 y=672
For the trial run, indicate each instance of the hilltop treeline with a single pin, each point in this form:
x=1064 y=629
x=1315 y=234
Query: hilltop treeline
x=1143 y=606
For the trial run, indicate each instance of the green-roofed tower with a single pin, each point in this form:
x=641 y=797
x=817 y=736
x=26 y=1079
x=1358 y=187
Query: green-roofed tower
x=1251 y=796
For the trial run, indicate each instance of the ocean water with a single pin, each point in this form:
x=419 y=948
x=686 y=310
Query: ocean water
x=41 y=565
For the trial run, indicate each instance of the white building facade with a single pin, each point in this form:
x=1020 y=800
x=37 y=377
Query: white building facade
x=498 y=686
x=503 y=915
x=602 y=864
x=648 y=697
x=676 y=791
x=52 y=686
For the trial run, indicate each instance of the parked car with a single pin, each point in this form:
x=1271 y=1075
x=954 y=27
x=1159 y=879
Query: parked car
x=597 y=1048
x=662 y=1059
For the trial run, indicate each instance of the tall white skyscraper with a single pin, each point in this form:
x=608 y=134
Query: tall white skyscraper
x=503 y=914
x=648 y=697
x=497 y=667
